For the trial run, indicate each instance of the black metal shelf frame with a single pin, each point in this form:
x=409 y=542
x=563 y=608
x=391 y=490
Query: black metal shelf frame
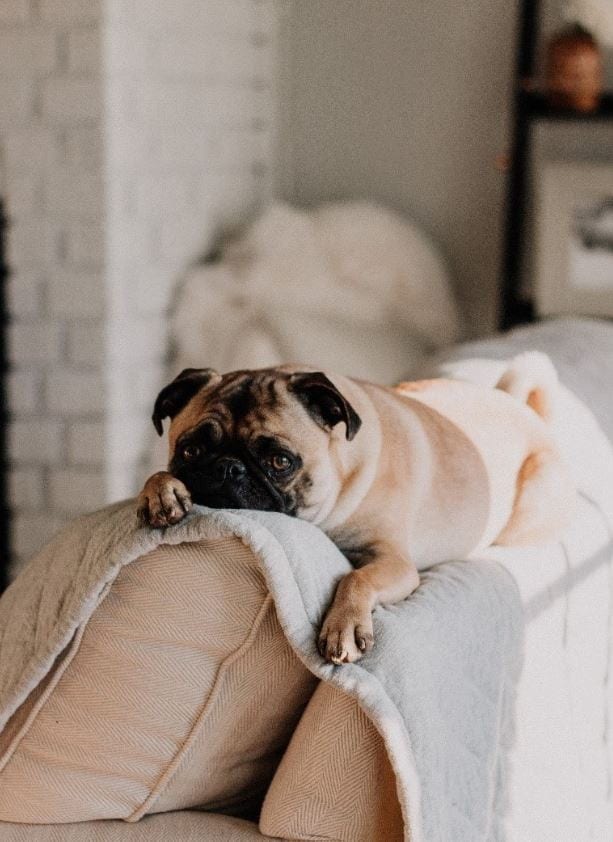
x=530 y=106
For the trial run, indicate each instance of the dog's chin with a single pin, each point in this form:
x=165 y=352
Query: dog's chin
x=216 y=501
x=231 y=499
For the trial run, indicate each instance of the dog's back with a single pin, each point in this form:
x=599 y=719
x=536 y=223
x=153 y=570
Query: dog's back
x=506 y=425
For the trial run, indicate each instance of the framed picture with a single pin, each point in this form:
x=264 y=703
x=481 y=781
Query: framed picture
x=574 y=240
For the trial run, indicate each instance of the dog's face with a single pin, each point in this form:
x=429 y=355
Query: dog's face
x=265 y=439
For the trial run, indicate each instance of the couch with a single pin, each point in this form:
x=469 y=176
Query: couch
x=553 y=770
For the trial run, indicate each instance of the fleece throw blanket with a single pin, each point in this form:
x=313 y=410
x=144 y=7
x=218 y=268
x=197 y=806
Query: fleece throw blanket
x=435 y=684
x=438 y=685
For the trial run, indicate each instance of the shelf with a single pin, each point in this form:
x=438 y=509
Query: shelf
x=536 y=107
x=531 y=109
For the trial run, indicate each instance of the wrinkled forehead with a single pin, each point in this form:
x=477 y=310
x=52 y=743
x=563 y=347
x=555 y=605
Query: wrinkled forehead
x=245 y=404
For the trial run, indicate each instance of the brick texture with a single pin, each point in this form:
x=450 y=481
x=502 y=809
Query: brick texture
x=69 y=12
x=84 y=442
x=129 y=132
x=30 y=50
x=16 y=102
x=26 y=488
x=31 y=530
x=14 y=11
x=72 y=101
x=36 y=441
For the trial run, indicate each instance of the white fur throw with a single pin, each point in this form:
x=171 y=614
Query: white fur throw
x=350 y=287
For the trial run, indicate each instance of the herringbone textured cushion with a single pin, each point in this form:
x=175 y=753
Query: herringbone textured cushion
x=335 y=780
x=179 y=826
x=181 y=691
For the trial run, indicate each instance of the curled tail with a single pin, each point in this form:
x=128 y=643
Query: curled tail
x=532 y=379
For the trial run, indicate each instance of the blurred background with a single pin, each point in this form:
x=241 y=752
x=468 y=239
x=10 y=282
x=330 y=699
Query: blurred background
x=163 y=165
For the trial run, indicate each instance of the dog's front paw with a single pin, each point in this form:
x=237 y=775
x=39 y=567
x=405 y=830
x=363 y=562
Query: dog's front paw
x=346 y=634
x=163 y=501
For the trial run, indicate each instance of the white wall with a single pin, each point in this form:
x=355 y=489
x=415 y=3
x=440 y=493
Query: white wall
x=51 y=152
x=189 y=142
x=407 y=102
x=129 y=129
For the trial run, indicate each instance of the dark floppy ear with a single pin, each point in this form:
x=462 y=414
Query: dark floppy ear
x=176 y=395
x=324 y=401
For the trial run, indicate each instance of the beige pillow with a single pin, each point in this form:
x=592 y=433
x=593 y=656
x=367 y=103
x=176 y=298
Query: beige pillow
x=181 y=691
x=335 y=780
x=179 y=826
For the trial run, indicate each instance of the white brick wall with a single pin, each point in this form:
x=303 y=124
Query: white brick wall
x=84 y=442
x=26 y=489
x=35 y=343
x=71 y=101
x=73 y=393
x=24 y=391
x=14 y=11
x=193 y=82
x=75 y=490
x=70 y=12
x=24 y=291
x=129 y=131
x=16 y=102
x=36 y=47
x=36 y=440
x=83 y=48
x=74 y=294
x=32 y=528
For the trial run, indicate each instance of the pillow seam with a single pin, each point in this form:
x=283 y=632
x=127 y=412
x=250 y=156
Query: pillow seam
x=172 y=767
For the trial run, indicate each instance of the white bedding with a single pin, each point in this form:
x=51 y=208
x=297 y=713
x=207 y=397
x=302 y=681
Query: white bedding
x=562 y=759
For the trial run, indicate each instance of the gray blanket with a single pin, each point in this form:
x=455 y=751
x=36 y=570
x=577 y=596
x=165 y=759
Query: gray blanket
x=438 y=685
x=435 y=685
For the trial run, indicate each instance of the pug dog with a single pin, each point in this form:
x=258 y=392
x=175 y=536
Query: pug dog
x=399 y=478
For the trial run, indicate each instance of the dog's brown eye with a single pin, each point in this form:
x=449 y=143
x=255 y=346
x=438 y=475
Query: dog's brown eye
x=191 y=452
x=280 y=462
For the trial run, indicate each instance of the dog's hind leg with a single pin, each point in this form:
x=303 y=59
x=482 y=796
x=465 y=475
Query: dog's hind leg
x=544 y=502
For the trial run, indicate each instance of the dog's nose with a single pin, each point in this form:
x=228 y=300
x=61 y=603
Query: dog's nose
x=229 y=468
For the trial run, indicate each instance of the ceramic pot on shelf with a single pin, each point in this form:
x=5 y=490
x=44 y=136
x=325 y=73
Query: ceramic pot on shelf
x=574 y=73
